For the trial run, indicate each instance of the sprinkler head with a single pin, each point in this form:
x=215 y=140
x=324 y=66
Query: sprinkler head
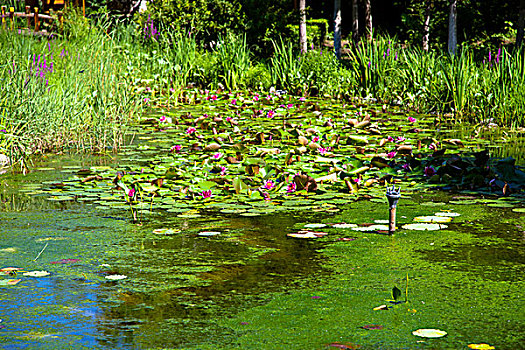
x=393 y=196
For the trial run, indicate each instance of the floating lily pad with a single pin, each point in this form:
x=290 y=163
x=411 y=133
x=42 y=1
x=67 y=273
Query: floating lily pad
x=519 y=210
x=116 y=277
x=315 y=225
x=165 y=231
x=209 y=233
x=307 y=234
x=433 y=219
x=371 y=228
x=424 y=227
x=447 y=214
x=429 y=333
x=9 y=282
x=344 y=226
x=36 y=273
x=481 y=346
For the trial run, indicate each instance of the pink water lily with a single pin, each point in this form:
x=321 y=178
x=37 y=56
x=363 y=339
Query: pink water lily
x=162 y=119
x=190 y=130
x=270 y=114
x=234 y=101
x=412 y=119
x=206 y=194
x=176 y=148
x=269 y=185
x=291 y=187
x=130 y=192
x=217 y=155
x=391 y=154
x=400 y=139
x=213 y=97
x=315 y=139
x=429 y=171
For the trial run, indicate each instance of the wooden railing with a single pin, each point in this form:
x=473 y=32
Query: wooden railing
x=34 y=17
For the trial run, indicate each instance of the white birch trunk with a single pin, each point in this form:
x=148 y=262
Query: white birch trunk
x=337 y=28
x=426 y=25
x=302 y=26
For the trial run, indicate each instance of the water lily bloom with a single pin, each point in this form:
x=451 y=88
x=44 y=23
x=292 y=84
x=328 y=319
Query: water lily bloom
x=406 y=167
x=223 y=170
x=429 y=171
x=190 y=130
x=390 y=139
x=213 y=97
x=400 y=139
x=234 y=102
x=357 y=180
x=270 y=114
x=217 y=155
x=322 y=150
x=146 y=100
x=162 y=119
x=412 y=119
x=315 y=139
x=290 y=105
x=432 y=147
x=206 y=194
x=302 y=99
x=391 y=154
x=269 y=185
x=256 y=98
x=176 y=148
x=291 y=187
x=131 y=192
x=229 y=118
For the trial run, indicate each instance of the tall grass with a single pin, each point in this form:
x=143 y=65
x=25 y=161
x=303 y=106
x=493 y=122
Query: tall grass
x=59 y=95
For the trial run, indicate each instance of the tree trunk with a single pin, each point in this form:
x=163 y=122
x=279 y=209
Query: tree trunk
x=337 y=28
x=368 y=19
x=452 y=28
x=426 y=25
x=521 y=22
x=302 y=26
x=355 y=21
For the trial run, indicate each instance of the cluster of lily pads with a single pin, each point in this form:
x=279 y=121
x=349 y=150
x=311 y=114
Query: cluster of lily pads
x=250 y=154
x=434 y=222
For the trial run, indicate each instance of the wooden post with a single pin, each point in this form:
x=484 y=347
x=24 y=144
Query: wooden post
x=37 y=21
x=393 y=196
x=28 y=12
x=3 y=17
x=452 y=28
x=12 y=17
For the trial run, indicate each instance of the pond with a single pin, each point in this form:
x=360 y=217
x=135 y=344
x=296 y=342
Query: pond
x=98 y=270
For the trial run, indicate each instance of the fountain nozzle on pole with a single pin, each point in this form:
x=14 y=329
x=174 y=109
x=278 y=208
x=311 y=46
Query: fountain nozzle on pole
x=393 y=196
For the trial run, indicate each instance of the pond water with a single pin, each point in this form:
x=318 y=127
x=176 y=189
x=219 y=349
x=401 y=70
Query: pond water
x=224 y=275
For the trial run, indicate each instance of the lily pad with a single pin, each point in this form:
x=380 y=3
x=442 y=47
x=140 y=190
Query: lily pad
x=165 y=231
x=116 y=277
x=209 y=233
x=315 y=225
x=424 y=227
x=9 y=282
x=307 y=234
x=481 y=346
x=433 y=219
x=429 y=333
x=36 y=273
x=371 y=228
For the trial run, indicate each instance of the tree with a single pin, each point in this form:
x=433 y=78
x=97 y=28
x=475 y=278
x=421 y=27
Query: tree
x=368 y=19
x=337 y=28
x=426 y=24
x=521 y=20
x=355 y=21
x=302 y=26
x=452 y=28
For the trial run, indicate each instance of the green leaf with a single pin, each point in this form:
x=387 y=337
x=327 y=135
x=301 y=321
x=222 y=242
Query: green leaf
x=396 y=293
